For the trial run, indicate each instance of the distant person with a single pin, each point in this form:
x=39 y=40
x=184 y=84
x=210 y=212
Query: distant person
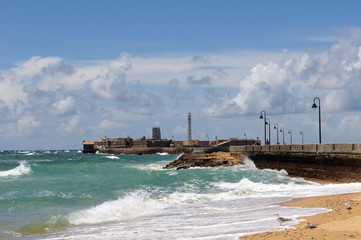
x=267 y=142
x=258 y=141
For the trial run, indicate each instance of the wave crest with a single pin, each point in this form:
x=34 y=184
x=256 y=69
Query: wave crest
x=133 y=205
x=22 y=169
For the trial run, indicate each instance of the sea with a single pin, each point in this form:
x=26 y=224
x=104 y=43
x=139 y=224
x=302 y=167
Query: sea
x=71 y=195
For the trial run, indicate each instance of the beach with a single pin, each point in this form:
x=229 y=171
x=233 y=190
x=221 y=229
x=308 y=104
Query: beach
x=339 y=223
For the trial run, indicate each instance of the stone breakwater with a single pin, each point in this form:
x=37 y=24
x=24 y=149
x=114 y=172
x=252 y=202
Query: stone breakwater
x=339 y=162
x=215 y=159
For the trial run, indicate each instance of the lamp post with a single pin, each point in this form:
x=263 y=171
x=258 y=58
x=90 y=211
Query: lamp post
x=282 y=130
x=269 y=130
x=276 y=127
x=290 y=133
x=302 y=135
x=314 y=106
x=263 y=116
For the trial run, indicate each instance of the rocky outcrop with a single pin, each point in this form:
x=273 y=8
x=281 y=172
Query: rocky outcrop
x=216 y=159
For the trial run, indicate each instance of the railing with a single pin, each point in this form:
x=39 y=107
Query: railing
x=329 y=148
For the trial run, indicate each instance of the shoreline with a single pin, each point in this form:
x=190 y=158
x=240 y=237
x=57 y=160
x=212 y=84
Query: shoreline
x=339 y=223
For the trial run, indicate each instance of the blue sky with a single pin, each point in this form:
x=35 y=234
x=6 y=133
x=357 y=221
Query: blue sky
x=74 y=70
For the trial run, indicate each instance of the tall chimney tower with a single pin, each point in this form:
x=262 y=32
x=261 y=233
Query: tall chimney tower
x=189 y=128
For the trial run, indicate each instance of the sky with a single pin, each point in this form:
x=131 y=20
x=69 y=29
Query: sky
x=81 y=70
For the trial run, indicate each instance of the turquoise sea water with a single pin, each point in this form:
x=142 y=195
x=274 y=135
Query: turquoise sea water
x=70 y=195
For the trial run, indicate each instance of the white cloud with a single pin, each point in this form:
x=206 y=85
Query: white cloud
x=64 y=106
x=108 y=125
x=28 y=126
x=102 y=97
x=70 y=127
x=287 y=85
x=350 y=125
x=178 y=130
x=112 y=84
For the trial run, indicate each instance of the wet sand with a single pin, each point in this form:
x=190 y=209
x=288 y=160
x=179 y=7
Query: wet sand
x=340 y=223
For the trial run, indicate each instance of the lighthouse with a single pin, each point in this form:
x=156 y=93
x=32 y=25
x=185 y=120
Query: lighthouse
x=189 y=128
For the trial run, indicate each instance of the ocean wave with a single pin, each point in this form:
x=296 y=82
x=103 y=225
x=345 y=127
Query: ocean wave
x=22 y=169
x=112 y=157
x=133 y=205
x=64 y=195
x=163 y=154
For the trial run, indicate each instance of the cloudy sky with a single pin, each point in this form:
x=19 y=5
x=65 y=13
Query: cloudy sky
x=74 y=70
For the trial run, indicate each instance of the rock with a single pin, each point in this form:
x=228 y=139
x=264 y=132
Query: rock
x=206 y=160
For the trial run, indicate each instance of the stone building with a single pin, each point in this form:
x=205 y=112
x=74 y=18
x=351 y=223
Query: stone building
x=156 y=133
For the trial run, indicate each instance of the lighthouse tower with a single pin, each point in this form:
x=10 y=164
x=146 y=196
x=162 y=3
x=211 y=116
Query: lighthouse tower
x=189 y=128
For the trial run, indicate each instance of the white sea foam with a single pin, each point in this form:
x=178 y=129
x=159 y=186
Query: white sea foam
x=249 y=163
x=137 y=216
x=22 y=169
x=163 y=154
x=112 y=157
x=133 y=205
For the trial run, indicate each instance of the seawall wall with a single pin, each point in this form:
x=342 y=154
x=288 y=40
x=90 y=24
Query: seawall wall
x=339 y=162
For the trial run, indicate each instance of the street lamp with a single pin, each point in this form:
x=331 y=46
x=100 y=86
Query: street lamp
x=282 y=130
x=314 y=106
x=245 y=134
x=302 y=135
x=276 y=127
x=263 y=116
x=269 y=130
x=290 y=133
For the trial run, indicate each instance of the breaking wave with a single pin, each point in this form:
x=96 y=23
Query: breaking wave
x=22 y=169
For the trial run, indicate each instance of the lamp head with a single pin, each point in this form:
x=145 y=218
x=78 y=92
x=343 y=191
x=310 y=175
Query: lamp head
x=260 y=116
x=314 y=106
x=274 y=127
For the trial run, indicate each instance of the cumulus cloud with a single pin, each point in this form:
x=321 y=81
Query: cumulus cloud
x=112 y=84
x=28 y=126
x=175 y=91
x=64 y=106
x=288 y=86
x=199 y=82
x=108 y=125
x=178 y=130
x=201 y=59
x=69 y=127
x=103 y=94
x=351 y=125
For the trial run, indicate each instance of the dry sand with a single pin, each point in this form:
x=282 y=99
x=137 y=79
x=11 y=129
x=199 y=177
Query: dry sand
x=340 y=223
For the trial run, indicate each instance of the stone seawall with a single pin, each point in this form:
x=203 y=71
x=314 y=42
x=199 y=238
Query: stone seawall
x=331 y=162
x=153 y=150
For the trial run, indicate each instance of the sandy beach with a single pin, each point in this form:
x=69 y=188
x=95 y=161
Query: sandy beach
x=340 y=223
